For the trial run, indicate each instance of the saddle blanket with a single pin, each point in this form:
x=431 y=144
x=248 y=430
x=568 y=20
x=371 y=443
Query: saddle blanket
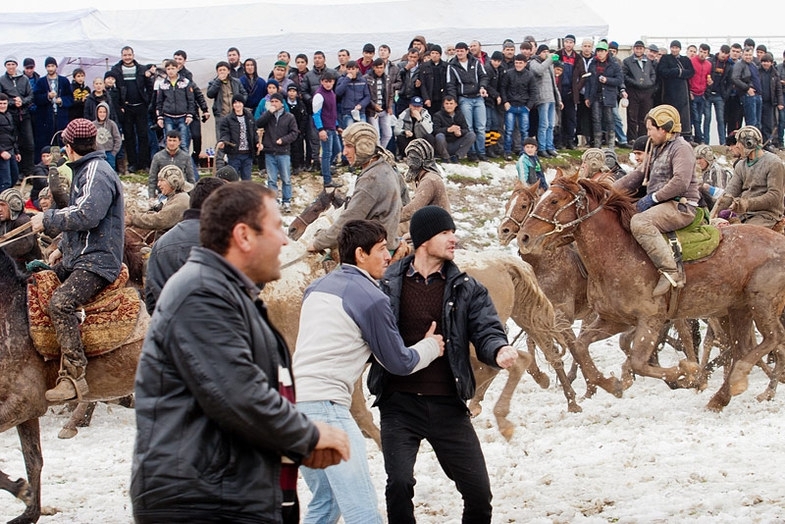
x=698 y=240
x=110 y=321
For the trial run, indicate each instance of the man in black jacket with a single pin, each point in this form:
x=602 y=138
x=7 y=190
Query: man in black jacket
x=431 y=403
x=237 y=136
x=278 y=129
x=20 y=98
x=451 y=132
x=135 y=82
x=218 y=435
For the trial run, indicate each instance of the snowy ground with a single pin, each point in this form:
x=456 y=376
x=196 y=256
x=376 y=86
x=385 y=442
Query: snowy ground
x=655 y=455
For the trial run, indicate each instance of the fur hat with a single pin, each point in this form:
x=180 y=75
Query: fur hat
x=665 y=117
x=704 y=151
x=749 y=138
x=427 y=222
x=78 y=128
x=15 y=201
x=174 y=175
x=364 y=137
x=594 y=160
x=419 y=157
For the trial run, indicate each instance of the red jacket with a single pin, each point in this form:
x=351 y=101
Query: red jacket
x=702 y=68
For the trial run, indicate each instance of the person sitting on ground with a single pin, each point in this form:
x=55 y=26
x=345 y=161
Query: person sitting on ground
x=714 y=176
x=672 y=196
x=12 y=216
x=529 y=166
x=639 y=149
x=451 y=132
x=755 y=191
x=413 y=122
x=429 y=186
x=173 y=186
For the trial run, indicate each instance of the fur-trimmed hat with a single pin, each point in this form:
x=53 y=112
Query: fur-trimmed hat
x=364 y=137
x=427 y=222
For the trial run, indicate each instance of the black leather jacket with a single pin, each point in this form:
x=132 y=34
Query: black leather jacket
x=468 y=316
x=211 y=425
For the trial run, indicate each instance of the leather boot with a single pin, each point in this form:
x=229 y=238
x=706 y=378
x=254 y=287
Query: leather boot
x=661 y=255
x=71 y=383
x=598 y=140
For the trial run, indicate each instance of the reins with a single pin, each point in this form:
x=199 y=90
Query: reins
x=11 y=236
x=580 y=202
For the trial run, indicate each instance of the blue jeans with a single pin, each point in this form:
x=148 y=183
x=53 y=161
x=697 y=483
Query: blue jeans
x=344 y=489
x=330 y=149
x=781 y=128
x=180 y=125
x=473 y=110
x=5 y=175
x=242 y=163
x=621 y=136
x=753 y=109
x=110 y=158
x=546 y=113
x=279 y=166
x=347 y=120
x=718 y=103
x=697 y=110
x=521 y=115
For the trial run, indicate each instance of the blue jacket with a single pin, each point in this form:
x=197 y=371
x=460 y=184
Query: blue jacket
x=468 y=316
x=607 y=93
x=93 y=225
x=351 y=93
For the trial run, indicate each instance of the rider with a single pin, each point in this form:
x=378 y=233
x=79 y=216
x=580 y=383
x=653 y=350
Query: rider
x=25 y=249
x=162 y=218
x=671 y=193
x=714 y=177
x=429 y=186
x=92 y=249
x=755 y=191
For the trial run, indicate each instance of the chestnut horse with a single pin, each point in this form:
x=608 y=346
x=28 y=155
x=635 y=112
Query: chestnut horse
x=25 y=376
x=740 y=282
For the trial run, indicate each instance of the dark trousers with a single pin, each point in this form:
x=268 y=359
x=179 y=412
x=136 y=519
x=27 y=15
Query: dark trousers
x=77 y=289
x=641 y=102
x=569 y=121
x=733 y=114
x=26 y=141
x=407 y=419
x=137 y=143
x=768 y=123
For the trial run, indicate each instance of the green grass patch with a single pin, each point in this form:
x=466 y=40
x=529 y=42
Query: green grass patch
x=464 y=180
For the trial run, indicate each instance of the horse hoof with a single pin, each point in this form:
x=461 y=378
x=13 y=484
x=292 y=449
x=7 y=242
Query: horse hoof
x=618 y=388
x=768 y=394
x=573 y=407
x=542 y=380
x=507 y=431
x=474 y=411
x=67 y=433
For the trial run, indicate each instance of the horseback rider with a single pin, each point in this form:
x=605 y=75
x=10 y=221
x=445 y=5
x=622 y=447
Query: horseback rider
x=714 y=177
x=671 y=193
x=92 y=248
x=25 y=249
x=429 y=186
x=755 y=192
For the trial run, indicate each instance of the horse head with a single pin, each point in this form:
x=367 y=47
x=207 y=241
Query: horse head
x=328 y=197
x=516 y=210
x=559 y=212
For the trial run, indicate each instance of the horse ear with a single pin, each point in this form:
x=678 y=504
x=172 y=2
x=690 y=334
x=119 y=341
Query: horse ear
x=575 y=176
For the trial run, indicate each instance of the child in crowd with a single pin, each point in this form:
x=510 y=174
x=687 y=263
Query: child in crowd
x=300 y=112
x=108 y=138
x=80 y=91
x=272 y=87
x=529 y=166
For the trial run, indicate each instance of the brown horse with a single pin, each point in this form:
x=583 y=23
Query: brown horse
x=322 y=202
x=26 y=376
x=741 y=282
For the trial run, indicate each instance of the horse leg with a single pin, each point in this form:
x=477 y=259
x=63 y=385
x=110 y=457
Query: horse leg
x=644 y=344
x=740 y=336
x=502 y=407
x=539 y=377
x=69 y=429
x=362 y=416
x=28 y=491
x=483 y=376
x=599 y=329
x=685 y=329
x=773 y=334
x=554 y=359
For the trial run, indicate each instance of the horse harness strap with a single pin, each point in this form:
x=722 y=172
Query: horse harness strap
x=579 y=201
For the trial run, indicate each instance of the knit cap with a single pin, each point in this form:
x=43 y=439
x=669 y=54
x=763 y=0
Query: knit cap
x=427 y=222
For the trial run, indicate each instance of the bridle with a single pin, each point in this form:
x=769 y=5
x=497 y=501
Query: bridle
x=508 y=216
x=580 y=202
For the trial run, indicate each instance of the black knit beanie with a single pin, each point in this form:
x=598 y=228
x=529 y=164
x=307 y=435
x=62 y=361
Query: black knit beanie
x=428 y=222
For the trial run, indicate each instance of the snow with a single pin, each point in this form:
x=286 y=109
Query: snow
x=655 y=455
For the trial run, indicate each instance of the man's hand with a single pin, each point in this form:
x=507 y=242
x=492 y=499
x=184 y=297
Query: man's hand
x=54 y=257
x=506 y=357
x=507 y=106
x=311 y=248
x=645 y=203
x=438 y=338
x=323 y=135
x=5 y=155
x=739 y=205
x=37 y=222
x=332 y=447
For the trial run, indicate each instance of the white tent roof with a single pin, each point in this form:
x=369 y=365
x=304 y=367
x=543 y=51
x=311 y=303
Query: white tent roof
x=262 y=29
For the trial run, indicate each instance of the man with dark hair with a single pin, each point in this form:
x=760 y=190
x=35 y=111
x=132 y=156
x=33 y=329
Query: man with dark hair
x=381 y=107
x=640 y=80
x=92 y=223
x=602 y=94
x=311 y=82
x=434 y=79
x=235 y=64
x=175 y=103
x=171 y=154
x=171 y=251
x=345 y=321
x=237 y=136
x=53 y=97
x=771 y=97
x=278 y=129
x=451 y=132
x=674 y=72
x=215 y=372
x=734 y=112
x=467 y=82
x=698 y=87
x=365 y=64
x=747 y=81
x=222 y=89
x=135 y=82
x=9 y=145
x=431 y=403
x=20 y=100
x=717 y=91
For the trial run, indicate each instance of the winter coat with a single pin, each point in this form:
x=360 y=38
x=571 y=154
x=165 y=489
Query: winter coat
x=607 y=93
x=162 y=158
x=311 y=82
x=698 y=84
x=175 y=100
x=214 y=92
x=429 y=191
x=375 y=85
x=229 y=132
x=721 y=77
x=46 y=120
x=468 y=316
x=352 y=93
x=170 y=214
x=495 y=77
x=762 y=186
x=256 y=89
x=637 y=79
x=674 y=74
x=516 y=88
x=93 y=224
x=420 y=129
x=406 y=80
x=377 y=196
x=441 y=121
x=544 y=83
x=9 y=133
x=465 y=82
x=280 y=125
x=144 y=83
x=91 y=104
x=579 y=81
x=434 y=83
x=15 y=86
x=211 y=425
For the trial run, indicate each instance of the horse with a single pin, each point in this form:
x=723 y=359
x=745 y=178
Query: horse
x=512 y=287
x=26 y=376
x=328 y=197
x=741 y=282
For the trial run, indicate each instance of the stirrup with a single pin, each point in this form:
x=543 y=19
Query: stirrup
x=79 y=388
x=670 y=279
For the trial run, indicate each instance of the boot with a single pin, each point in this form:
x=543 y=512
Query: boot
x=661 y=255
x=71 y=383
x=598 y=140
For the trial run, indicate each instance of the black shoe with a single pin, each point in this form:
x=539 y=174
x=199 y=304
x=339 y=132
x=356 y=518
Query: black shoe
x=482 y=158
x=571 y=145
x=543 y=154
x=553 y=153
x=334 y=183
x=508 y=156
x=624 y=145
x=453 y=159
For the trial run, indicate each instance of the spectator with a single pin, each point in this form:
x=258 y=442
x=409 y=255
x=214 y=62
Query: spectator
x=365 y=64
x=674 y=72
x=547 y=99
x=640 y=80
x=434 y=79
x=108 y=138
x=310 y=84
x=222 y=89
x=237 y=136
x=494 y=110
x=698 y=87
x=53 y=97
x=517 y=100
x=343 y=58
x=279 y=74
x=195 y=128
x=254 y=85
x=379 y=110
x=278 y=130
x=20 y=103
x=233 y=60
x=467 y=82
x=161 y=218
x=135 y=82
x=451 y=132
x=734 y=112
x=580 y=81
x=771 y=97
x=325 y=121
x=529 y=167
x=98 y=95
x=602 y=94
x=409 y=82
x=9 y=148
x=175 y=104
x=80 y=91
x=171 y=154
x=300 y=112
x=475 y=48
x=717 y=90
x=568 y=57
x=353 y=96
x=413 y=122
x=747 y=80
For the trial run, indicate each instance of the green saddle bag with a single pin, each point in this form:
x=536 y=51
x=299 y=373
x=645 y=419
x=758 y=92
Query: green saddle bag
x=696 y=241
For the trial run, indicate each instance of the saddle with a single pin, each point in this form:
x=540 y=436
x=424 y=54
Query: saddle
x=110 y=318
x=696 y=241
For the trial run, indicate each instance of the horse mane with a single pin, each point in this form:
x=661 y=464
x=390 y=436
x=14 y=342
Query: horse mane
x=612 y=199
